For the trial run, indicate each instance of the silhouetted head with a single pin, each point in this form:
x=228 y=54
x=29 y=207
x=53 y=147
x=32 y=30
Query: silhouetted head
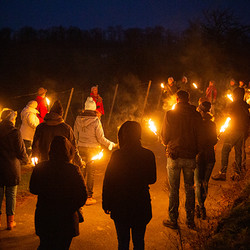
x=129 y=133
x=205 y=106
x=61 y=149
x=238 y=93
x=182 y=96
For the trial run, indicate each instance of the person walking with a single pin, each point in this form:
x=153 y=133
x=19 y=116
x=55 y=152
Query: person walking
x=234 y=135
x=29 y=123
x=125 y=194
x=52 y=126
x=205 y=159
x=41 y=107
x=181 y=134
x=61 y=192
x=12 y=152
x=89 y=138
x=98 y=100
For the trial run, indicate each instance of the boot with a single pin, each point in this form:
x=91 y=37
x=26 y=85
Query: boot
x=10 y=222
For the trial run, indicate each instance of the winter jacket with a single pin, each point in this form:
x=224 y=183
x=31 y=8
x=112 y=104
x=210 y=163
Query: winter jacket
x=88 y=131
x=29 y=123
x=207 y=154
x=12 y=151
x=61 y=192
x=99 y=103
x=42 y=108
x=181 y=131
x=52 y=126
x=125 y=187
x=239 y=114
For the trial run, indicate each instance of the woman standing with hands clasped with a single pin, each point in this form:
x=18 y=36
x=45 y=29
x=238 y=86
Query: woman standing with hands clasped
x=125 y=188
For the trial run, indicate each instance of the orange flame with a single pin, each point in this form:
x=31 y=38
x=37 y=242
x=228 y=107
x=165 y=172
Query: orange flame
x=152 y=126
x=225 y=125
x=34 y=161
x=98 y=156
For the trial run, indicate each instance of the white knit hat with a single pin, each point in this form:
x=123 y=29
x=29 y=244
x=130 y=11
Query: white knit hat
x=90 y=104
x=33 y=104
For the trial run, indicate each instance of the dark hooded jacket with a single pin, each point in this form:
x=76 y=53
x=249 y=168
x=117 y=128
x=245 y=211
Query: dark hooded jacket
x=52 y=126
x=61 y=192
x=207 y=154
x=181 y=131
x=12 y=151
x=129 y=172
x=239 y=114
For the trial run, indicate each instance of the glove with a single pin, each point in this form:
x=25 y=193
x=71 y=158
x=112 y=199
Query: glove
x=111 y=146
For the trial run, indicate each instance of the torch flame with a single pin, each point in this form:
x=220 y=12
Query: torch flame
x=223 y=127
x=48 y=101
x=195 y=85
x=34 y=161
x=173 y=107
x=162 y=85
x=152 y=126
x=230 y=97
x=98 y=156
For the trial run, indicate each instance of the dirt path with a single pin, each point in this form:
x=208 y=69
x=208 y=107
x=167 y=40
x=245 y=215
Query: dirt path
x=98 y=232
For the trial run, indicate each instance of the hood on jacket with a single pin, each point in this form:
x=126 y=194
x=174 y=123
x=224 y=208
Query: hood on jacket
x=207 y=117
x=6 y=127
x=129 y=134
x=27 y=110
x=52 y=118
x=61 y=149
x=32 y=104
x=87 y=118
x=184 y=108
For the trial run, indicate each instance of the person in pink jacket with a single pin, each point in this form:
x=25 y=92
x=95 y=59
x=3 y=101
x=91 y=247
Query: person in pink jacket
x=211 y=94
x=98 y=100
x=42 y=108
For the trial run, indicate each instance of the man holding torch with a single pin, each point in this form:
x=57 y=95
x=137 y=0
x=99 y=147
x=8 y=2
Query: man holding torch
x=181 y=134
x=235 y=134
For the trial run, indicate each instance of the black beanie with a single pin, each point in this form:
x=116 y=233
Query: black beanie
x=57 y=108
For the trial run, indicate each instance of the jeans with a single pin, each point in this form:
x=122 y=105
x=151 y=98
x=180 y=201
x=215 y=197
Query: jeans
x=123 y=235
x=202 y=175
x=235 y=140
x=89 y=170
x=10 y=196
x=174 y=168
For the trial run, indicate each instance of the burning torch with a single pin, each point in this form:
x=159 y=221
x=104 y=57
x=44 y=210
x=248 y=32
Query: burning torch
x=230 y=97
x=159 y=100
x=34 y=161
x=224 y=126
x=96 y=157
x=47 y=101
x=152 y=126
x=195 y=85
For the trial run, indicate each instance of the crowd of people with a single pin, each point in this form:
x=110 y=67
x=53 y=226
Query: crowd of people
x=64 y=176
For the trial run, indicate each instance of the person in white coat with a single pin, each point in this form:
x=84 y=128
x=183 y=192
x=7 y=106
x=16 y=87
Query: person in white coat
x=29 y=124
x=89 y=138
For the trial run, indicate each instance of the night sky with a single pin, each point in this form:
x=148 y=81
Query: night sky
x=88 y=14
